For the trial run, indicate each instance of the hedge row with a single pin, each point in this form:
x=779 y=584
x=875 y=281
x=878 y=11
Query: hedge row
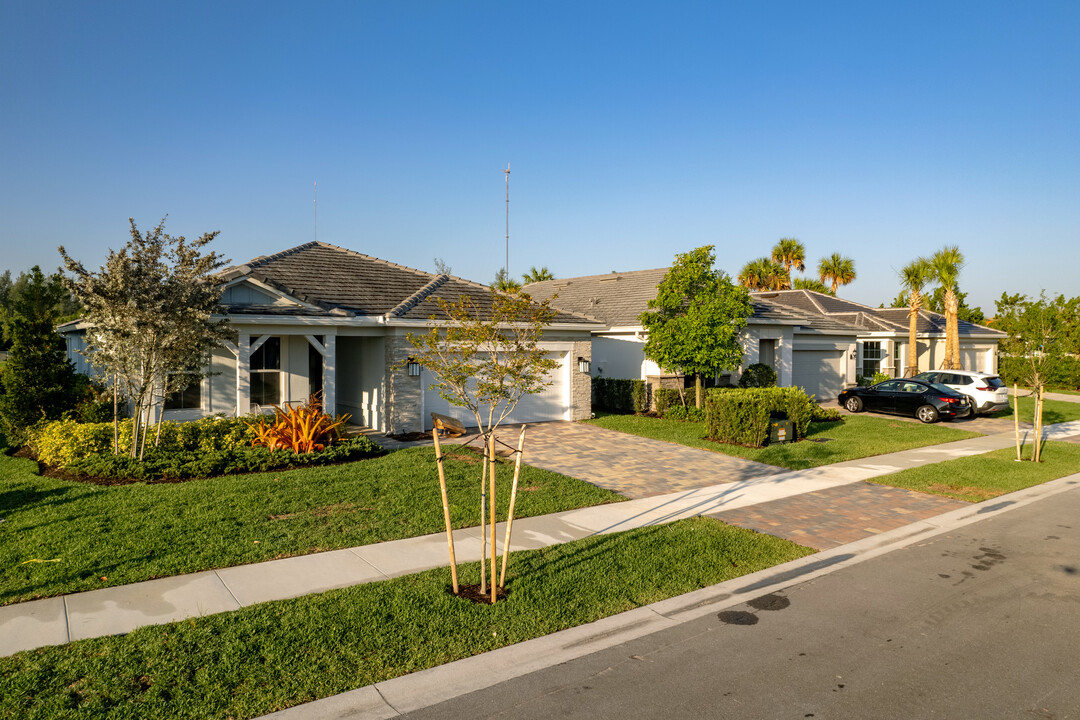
x=158 y=464
x=741 y=417
x=620 y=396
x=63 y=442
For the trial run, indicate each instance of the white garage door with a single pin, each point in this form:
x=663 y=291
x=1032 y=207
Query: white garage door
x=819 y=372
x=553 y=403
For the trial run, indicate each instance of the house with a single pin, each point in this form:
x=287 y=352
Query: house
x=812 y=340
x=323 y=318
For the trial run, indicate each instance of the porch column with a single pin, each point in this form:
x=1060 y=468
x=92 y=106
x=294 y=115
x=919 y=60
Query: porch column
x=785 y=346
x=330 y=374
x=243 y=374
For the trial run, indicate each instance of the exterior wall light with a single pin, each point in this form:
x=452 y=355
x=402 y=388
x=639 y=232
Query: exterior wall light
x=413 y=368
x=582 y=365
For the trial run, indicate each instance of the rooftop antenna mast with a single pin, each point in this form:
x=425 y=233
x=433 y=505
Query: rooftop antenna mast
x=316 y=211
x=507 y=173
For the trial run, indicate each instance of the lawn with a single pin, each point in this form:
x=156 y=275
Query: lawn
x=982 y=477
x=59 y=536
x=826 y=443
x=274 y=655
x=1054 y=411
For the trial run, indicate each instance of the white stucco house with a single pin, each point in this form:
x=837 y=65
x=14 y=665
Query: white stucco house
x=812 y=340
x=323 y=318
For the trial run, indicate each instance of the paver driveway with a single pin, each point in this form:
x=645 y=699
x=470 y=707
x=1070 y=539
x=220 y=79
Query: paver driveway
x=632 y=466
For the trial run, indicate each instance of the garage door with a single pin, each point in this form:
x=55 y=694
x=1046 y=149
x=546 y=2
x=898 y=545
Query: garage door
x=819 y=372
x=553 y=403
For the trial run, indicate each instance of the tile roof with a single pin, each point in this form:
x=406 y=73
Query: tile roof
x=338 y=281
x=618 y=299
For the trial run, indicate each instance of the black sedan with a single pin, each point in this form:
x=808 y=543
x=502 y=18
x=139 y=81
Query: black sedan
x=927 y=401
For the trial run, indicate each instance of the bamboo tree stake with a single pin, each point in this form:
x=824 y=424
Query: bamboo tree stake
x=445 y=508
x=1038 y=424
x=1016 y=418
x=483 y=523
x=510 y=513
x=494 y=552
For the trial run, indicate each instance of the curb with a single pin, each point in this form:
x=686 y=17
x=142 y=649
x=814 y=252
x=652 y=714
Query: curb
x=429 y=687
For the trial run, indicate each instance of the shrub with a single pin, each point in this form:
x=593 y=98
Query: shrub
x=758 y=375
x=665 y=399
x=741 y=416
x=823 y=414
x=159 y=464
x=302 y=429
x=62 y=442
x=618 y=395
x=687 y=413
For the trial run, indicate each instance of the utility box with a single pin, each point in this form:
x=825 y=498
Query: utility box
x=781 y=431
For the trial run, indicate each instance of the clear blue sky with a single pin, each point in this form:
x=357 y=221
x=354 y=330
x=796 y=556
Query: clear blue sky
x=633 y=130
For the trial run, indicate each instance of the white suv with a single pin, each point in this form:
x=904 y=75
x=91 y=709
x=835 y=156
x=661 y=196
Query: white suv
x=984 y=391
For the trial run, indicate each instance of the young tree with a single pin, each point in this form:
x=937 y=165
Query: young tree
x=914 y=276
x=38 y=381
x=149 y=310
x=836 y=270
x=695 y=320
x=485 y=360
x=1039 y=335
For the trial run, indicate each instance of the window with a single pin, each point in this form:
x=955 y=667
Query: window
x=189 y=398
x=871 y=363
x=896 y=359
x=266 y=373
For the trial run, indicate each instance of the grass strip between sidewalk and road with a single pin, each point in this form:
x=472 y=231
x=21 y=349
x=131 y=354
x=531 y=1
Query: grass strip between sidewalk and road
x=826 y=442
x=60 y=536
x=982 y=477
x=278 y=654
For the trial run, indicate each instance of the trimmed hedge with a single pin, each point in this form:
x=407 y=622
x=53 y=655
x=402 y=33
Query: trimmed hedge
x=665 y=399
x=741 y=416
x=63 y=442
x=1065 y=375
x=158 y=464
x=619 y=395
x=758 y=375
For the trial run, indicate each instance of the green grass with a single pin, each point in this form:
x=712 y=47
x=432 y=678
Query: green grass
x=274 y=655
x=982 y=477
x=855 y=437
x=103 y=536
x=1054 y=411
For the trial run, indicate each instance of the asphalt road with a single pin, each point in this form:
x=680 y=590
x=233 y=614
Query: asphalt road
x=980 y=623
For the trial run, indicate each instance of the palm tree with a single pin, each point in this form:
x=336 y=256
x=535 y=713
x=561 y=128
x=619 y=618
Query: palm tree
x=810 y=284
x=914 y=276
x=762 y=274
x=505 y=283
x=790 y=253
x=836 y=269
x=535 y=275
x=946 y=265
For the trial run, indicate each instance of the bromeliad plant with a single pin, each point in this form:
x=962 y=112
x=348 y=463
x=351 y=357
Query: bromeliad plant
x=302 y=429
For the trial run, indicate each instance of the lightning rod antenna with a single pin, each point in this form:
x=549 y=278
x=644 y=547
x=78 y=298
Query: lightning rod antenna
x=316 y=211
x=507 y=173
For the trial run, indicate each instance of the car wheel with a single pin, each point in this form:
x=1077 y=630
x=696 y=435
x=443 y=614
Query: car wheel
x=853 y=404
x=927 y=414
x=974 y=408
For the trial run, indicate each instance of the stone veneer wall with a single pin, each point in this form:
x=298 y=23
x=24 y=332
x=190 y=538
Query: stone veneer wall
x=580 y=383
x=404 y=393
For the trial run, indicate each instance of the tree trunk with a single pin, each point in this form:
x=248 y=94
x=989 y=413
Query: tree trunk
x=116 y=415
x=952 y=341
x=698 y=390
x=914 y=304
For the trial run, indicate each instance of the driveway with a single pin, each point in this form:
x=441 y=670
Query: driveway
x=634 y=467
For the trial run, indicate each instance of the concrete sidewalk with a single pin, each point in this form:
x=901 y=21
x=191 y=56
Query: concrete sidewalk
x=121 y=609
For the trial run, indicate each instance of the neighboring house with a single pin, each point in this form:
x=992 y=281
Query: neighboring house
x=812 y=340
x=322 y=318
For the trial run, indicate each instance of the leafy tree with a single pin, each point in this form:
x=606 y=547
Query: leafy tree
x=914 y=276
x=504 y=282
x=149 y=310
x=836 y=270
x=38 y=381
x=811 y=284
x=696 y=318
x=486 y=361
x=535 y=275
x=1040 y=333
x=763 y=274
x=945 y=266
x=936 y=303
x=12 y=291
x=791 y=254
x=441 y=267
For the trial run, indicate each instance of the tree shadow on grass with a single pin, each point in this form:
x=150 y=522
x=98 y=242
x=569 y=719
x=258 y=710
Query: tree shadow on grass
x=22 y=498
